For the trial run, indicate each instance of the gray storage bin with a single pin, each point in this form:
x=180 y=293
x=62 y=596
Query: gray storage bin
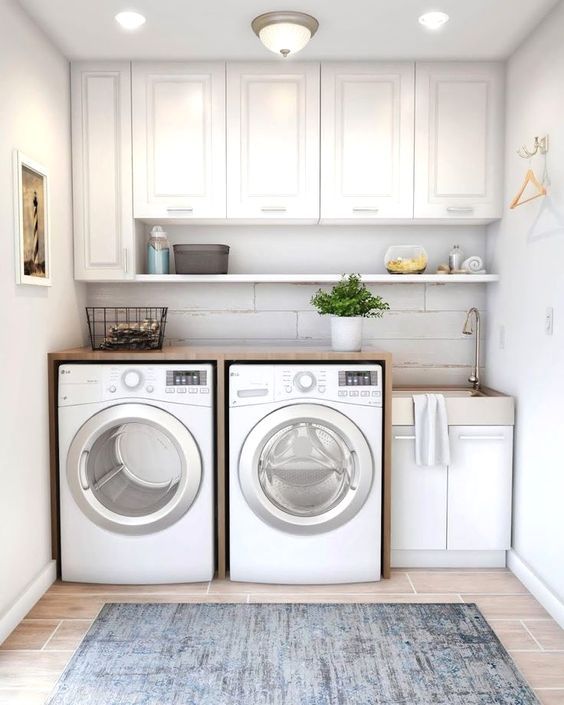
x=201 y=259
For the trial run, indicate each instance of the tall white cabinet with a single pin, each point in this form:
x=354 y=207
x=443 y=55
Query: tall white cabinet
x=179 y=140
x=459 y=140
x=101 y=141
x=367 y=114
x=273 y=142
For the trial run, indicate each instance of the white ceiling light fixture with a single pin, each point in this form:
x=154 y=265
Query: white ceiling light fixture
x=130 y=20
x=285 y=32
x=434 y=20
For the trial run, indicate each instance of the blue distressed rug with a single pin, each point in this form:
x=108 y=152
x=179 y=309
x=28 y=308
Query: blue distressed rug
x=291 y=654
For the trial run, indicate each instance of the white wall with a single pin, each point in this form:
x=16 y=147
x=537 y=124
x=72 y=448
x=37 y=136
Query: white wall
x=423 y=330
x=527 y=248
x=34 y=117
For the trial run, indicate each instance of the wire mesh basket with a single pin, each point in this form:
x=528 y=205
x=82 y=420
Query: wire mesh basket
x=126 y=327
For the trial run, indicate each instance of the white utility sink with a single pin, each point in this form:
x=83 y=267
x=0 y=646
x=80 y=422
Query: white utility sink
x=465 y=406
x=445 y=392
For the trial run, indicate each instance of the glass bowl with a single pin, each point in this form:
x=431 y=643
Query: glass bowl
x=406 y=259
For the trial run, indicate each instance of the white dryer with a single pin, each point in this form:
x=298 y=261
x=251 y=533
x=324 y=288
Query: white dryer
x=136 y=472
x=305 y=473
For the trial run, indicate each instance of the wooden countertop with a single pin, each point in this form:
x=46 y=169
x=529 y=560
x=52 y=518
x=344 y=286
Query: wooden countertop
x=217 y=352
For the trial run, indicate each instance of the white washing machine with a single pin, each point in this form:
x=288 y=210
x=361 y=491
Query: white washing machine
x=305 y=473
x=136 y=472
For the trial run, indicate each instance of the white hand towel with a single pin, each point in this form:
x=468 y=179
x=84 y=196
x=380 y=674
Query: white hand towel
x=474 y=265
x=431 y=430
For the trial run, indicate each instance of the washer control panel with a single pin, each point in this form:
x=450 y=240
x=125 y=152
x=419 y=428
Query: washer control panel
x=256 y=384
x=179 y=383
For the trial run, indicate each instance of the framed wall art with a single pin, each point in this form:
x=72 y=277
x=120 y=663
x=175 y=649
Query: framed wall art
x=31 y=206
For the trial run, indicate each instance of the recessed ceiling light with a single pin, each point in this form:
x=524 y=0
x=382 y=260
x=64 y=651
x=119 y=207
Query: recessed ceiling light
x=130 y=20
x=434 y=20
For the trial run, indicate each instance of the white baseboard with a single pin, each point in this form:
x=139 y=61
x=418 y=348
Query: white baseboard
x=552 y=604
x=28 y=597
x=448 y=559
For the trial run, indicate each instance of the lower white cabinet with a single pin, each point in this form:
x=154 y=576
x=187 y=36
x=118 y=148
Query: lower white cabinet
x=479 y=488
x=463 y=507
x=419 y=497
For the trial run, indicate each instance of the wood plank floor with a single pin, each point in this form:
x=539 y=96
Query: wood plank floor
x=37 y=651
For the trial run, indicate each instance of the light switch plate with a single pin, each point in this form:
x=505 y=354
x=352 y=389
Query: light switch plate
x=502 y=337
x=549 y=321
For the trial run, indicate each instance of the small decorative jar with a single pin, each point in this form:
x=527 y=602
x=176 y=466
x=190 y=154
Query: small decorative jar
x=406 y=259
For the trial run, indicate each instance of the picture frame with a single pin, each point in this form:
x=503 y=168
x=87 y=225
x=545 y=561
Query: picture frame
x=32 y=231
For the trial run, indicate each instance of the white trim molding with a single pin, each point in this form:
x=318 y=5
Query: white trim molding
x=551 y=602
x=447 y=559
x=27 y=599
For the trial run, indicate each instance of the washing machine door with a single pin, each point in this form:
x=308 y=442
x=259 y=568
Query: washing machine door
x=134 y=468
x=306 y=468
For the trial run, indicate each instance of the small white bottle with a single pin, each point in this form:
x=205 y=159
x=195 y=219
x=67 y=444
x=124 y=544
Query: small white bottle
x=455 y=259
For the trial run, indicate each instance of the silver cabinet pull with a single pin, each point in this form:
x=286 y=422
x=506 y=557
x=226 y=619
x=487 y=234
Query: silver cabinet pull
x=365 y=209
x=404 y=438
x=273 y=209
x=481 y=438
x=180 y=210
x=460 y=209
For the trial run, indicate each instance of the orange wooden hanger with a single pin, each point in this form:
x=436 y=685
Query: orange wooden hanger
x=530 y=178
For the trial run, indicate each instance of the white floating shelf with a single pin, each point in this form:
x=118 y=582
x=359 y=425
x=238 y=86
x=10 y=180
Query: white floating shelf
x=316 y=278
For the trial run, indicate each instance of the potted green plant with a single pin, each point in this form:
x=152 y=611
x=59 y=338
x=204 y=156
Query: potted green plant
x=348 y=303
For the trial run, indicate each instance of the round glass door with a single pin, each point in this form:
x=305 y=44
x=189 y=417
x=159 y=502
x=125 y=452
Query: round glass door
x=134 y=468
x=306 y=468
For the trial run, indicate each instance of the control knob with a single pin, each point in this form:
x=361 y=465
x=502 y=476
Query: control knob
x=305 y=381
x=132 y=379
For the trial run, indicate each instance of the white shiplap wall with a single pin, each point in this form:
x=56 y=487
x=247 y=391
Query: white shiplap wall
x=423 y=329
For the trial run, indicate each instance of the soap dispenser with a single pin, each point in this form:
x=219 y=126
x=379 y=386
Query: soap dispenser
x=158 y=252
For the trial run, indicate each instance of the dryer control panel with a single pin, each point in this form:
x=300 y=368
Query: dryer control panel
x=259 y=384
x=178 y=383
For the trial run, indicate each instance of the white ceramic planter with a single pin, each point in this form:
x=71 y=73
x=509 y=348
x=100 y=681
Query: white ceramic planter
x=346 y=333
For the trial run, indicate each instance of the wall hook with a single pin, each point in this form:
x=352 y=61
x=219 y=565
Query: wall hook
x=540 y=147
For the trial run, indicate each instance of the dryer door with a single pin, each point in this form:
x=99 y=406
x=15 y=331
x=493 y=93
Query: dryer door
x=134 y=468
x=306 y=469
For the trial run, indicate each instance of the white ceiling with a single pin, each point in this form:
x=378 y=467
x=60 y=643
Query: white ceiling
x=349 y=29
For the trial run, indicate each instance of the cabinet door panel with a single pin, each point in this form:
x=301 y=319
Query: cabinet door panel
x=419 y=497
x=101 y=142
x=179 y=140
x=459 y=141
x=479 y=488
x=273 y=142
x=367 y=118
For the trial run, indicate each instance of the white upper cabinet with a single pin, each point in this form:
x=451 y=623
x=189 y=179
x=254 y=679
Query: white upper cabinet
x=273 y=142
x=101 y=142
x=367 y=114
x=459 y=141
x=179 y=140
